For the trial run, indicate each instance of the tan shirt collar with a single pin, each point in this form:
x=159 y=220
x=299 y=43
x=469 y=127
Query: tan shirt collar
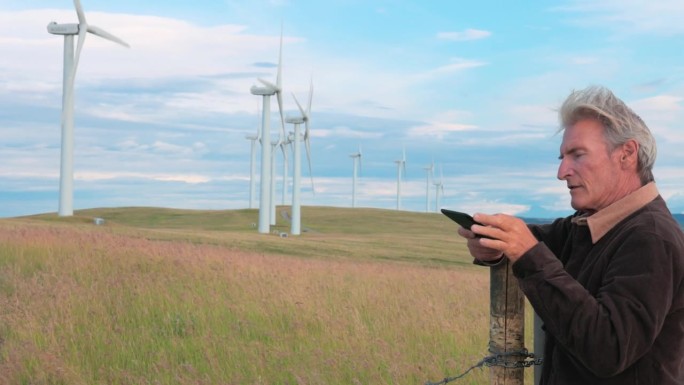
x=604 y=220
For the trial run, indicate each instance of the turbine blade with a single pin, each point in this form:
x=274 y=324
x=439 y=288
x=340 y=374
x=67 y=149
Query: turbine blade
x=282 y=118
x=299 y=105
x=308 y=109
x=258 y=133
x=284 y=150
x=268 y=84
x=79 y=48
x=80 y=13
x=106 y=35
x=307 y=129
x=360 y=161
x=279 y=79
x=308 y=157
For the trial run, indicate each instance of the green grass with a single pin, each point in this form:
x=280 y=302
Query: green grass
x=158 y=296
x=426 y=238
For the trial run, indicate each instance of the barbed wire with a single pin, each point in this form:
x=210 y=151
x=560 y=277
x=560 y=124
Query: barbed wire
x=498 y=359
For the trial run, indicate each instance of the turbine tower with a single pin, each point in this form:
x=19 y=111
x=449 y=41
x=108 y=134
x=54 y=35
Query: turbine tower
x=439 y=190
x=401 y=166
x=305 y=117
x=272 y=187
x=356 y=157
x=252 y=162
x=287 y=143
x=266 y=91
x=66 y=173
x=429 y=176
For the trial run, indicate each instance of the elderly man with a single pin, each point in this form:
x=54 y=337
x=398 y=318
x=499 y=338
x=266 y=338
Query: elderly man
x=608 y=281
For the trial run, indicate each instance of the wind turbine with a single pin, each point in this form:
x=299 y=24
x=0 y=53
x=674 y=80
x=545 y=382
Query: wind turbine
x=439 y=190
x=305 y=117
x=356 y=157
x=266 y=91
x=66 y=173
x=401 y=165
x=284 y=147
x=429 y=176
x=252 y=162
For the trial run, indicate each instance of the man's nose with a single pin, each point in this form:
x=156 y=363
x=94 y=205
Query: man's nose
x=563 y=169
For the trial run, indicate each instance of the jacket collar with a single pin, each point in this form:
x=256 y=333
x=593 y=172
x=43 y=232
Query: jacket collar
x=601 y=222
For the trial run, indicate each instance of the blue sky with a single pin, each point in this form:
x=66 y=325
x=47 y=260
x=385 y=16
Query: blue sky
x=471 y=85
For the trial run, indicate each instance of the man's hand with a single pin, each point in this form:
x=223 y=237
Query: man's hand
x=511 y=236
x=477 y=250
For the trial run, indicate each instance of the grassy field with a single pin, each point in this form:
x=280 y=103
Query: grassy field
x=160 y=296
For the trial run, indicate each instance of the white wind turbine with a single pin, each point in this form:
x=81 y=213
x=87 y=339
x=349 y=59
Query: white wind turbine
x=266 y=91
x=356 y=157
x=285 y=146
x=439 y=190
x=66 y=176
x=252 y=162
x=305 y=117
x=401 y=166
x=429 y=176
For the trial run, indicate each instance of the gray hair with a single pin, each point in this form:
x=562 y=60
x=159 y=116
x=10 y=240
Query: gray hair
x=619 y=121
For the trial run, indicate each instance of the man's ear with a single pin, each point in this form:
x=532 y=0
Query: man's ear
x=630 y=153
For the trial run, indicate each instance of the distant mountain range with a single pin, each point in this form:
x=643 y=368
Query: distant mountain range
x=539 y=221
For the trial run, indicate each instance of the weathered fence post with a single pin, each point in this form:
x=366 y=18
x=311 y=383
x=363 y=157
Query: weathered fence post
x=507 y=324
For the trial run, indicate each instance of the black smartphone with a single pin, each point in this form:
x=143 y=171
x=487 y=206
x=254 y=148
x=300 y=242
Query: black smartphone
x=463 y=219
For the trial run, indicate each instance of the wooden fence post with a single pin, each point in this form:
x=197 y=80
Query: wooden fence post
x=507 y=324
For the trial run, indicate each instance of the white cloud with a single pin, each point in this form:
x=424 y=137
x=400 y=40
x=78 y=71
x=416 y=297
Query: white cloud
x=162 y=177
x=468 y=34
x=660 y=104
x=438 y=130
x=662 y=17
x=344 y=132
x=456 y=65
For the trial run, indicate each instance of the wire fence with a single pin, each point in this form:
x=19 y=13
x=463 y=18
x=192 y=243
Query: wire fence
x=526 y=360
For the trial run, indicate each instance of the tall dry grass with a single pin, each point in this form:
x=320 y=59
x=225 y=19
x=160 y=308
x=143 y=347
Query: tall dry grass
x=84 y=305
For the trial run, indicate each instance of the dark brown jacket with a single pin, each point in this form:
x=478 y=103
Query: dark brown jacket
x=613 y=311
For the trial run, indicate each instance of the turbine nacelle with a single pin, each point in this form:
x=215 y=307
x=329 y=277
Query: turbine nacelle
x=62 y=29
x=262 y=91
x=295 y=120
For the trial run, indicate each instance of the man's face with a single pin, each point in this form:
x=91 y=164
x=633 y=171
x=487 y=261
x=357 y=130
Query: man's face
x=591 y=172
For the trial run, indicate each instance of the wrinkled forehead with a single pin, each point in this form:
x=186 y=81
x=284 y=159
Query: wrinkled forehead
x=583 y=134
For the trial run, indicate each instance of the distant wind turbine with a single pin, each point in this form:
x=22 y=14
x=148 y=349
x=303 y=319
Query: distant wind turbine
x=305 y=117
x=356 y=157
x=252 y=162
x=429 y=176
x=287 y=144
x=66 y=176
x=439 y=190
x=401 y=166
x=266 y=91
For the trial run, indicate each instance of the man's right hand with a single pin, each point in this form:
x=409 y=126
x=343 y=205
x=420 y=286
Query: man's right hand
x=479 y=252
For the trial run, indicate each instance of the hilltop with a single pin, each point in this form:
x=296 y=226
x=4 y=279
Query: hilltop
x=358 y=233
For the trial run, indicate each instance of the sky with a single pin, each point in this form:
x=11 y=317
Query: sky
x=471 y=86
